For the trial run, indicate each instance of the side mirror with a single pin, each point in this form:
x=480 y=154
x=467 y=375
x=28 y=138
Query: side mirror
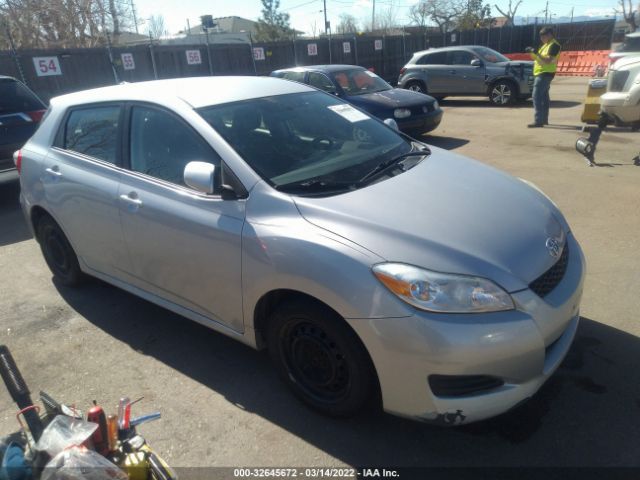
x=476 y=63
x=199 y=176
x=390 y=122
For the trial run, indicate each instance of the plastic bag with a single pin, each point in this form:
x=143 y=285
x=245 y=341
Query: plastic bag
x=64 y=432
x=79 y=463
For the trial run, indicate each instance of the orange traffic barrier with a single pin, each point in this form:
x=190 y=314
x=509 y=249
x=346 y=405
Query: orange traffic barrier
x=576 y=63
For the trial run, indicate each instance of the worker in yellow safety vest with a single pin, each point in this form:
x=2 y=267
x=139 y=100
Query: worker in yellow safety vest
x=544 y=69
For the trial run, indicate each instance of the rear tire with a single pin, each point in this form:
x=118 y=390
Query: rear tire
x=58 y=253
x=416 y=86
x=502 y=93
x=320 y=358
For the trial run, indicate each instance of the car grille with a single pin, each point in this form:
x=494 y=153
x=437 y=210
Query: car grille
x=419 y=110
x=616 y=81
x=461 y=385
x=545 y=283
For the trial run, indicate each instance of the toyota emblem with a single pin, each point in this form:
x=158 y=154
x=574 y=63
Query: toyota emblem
x=553 y=246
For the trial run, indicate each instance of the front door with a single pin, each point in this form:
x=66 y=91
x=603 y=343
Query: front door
x=184 y=246
x=466 y=79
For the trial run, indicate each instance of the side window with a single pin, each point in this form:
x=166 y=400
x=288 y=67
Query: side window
x=294 y=76
x=161 y=145
x=94 y=132
x=436 y=58
x=460 y=57
x=322 y=82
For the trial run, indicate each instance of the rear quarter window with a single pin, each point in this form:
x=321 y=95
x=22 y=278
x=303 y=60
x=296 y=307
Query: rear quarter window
x=93 y=131
x=15 y=97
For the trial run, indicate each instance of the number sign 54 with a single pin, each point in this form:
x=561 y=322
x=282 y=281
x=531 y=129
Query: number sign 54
x=47 y=66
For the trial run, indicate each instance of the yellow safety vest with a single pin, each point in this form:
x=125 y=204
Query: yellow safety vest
x=543 y=51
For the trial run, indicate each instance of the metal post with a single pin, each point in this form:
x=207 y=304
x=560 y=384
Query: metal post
x=253 y=58
x=14 y=54
x=373 y=17
x=113 y=67
x=355 y=48
x=153 y=58
x=404 y=47
x=206 y=31
x=295 y=51
x=330 y=47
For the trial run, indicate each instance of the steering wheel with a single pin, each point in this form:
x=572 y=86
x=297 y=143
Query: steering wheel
x=323 y=143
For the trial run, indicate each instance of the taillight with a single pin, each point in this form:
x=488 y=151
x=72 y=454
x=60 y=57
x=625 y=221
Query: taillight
x=36 y=115
x=402 y=70
x=17 y=159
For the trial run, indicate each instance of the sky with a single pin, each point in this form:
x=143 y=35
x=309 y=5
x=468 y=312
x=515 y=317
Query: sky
x=305 y=14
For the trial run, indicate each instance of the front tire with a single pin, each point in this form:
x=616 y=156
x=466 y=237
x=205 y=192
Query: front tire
x=58 y=253
x=320 y=358
x=502 y=93
x=416 y=86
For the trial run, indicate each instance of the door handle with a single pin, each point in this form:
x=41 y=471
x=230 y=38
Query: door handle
x=132 y=200
x=55 y=171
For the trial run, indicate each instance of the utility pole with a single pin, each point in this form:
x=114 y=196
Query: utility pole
x=326 y=25
x=373 y=16
x=572 y=14
x=546 y=13
x=135 y=20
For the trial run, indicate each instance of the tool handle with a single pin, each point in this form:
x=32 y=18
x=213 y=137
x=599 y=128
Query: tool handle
x=13 y=378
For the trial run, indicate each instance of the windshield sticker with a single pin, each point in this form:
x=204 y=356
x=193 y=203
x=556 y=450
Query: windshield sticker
x=348 y=112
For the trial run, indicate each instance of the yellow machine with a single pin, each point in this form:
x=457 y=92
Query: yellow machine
x=590 y=113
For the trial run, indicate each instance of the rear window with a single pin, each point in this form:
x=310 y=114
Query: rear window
x=437 y=58
x=94 y=132
x=15 y=97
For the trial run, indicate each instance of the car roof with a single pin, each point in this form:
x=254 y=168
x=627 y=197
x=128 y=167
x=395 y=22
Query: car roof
x=196 y=91
x=445 y=49
x=320 y=68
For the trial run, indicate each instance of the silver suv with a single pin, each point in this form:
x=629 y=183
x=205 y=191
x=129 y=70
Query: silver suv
x=468 y=71
x=368 y=264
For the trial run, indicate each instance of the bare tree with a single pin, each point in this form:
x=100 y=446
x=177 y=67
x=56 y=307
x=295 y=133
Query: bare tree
x=629 y=13
x=61 y=23
x=444 y=13
x=510 y=14
x=419 y=14
x=347 y=24
x=313 y=26
x=156 y=27
x=387 y=20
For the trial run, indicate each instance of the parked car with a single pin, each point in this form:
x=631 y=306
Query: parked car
x=621 y=103
x=468 y=71
x=20 y=114
x=414 y=113
x=629 y=48
x=369 y=264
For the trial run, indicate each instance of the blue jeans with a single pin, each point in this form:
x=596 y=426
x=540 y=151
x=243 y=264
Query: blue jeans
x=541 y=86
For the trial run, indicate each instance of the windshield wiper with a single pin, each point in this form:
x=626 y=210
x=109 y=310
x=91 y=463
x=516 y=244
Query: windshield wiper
x=314 y=185
x=384 y=166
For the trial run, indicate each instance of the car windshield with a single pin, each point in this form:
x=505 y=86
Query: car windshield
x=297 y=140
x=490 y=56
x=631 y=44
x=358 y=81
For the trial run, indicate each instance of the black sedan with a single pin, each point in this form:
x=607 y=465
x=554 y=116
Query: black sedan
x=20 y=114
x=415 y=113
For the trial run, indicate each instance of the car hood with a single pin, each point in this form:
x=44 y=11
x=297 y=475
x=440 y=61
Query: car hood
x=448 y=214
x=394 y=98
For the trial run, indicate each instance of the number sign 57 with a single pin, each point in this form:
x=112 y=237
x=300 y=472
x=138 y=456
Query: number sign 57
x=47 y=66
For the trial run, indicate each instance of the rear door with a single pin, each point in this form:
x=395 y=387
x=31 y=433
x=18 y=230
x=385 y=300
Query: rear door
x=20 y=114
x=435 y=69
x=80 y=181
x=185 y=247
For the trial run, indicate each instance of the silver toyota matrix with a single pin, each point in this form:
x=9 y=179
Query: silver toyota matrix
x=370 y=265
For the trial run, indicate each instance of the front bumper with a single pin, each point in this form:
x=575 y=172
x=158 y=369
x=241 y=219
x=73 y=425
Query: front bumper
x=421 y=123
x=522 y=347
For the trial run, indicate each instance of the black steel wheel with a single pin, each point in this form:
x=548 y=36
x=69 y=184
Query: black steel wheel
x=58 y=253
x=321 y=359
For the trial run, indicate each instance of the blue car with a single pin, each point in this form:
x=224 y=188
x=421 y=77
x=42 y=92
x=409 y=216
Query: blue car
x=415 y=113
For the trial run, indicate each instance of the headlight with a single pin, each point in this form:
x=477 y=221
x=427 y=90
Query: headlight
x=402 y=113
x=436 y=105
x=442 y=292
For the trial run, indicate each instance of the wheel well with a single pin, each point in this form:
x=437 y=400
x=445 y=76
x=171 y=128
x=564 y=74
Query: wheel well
x=35 y=215
x=417 y=80
x=508 y=80
x=270 y=301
